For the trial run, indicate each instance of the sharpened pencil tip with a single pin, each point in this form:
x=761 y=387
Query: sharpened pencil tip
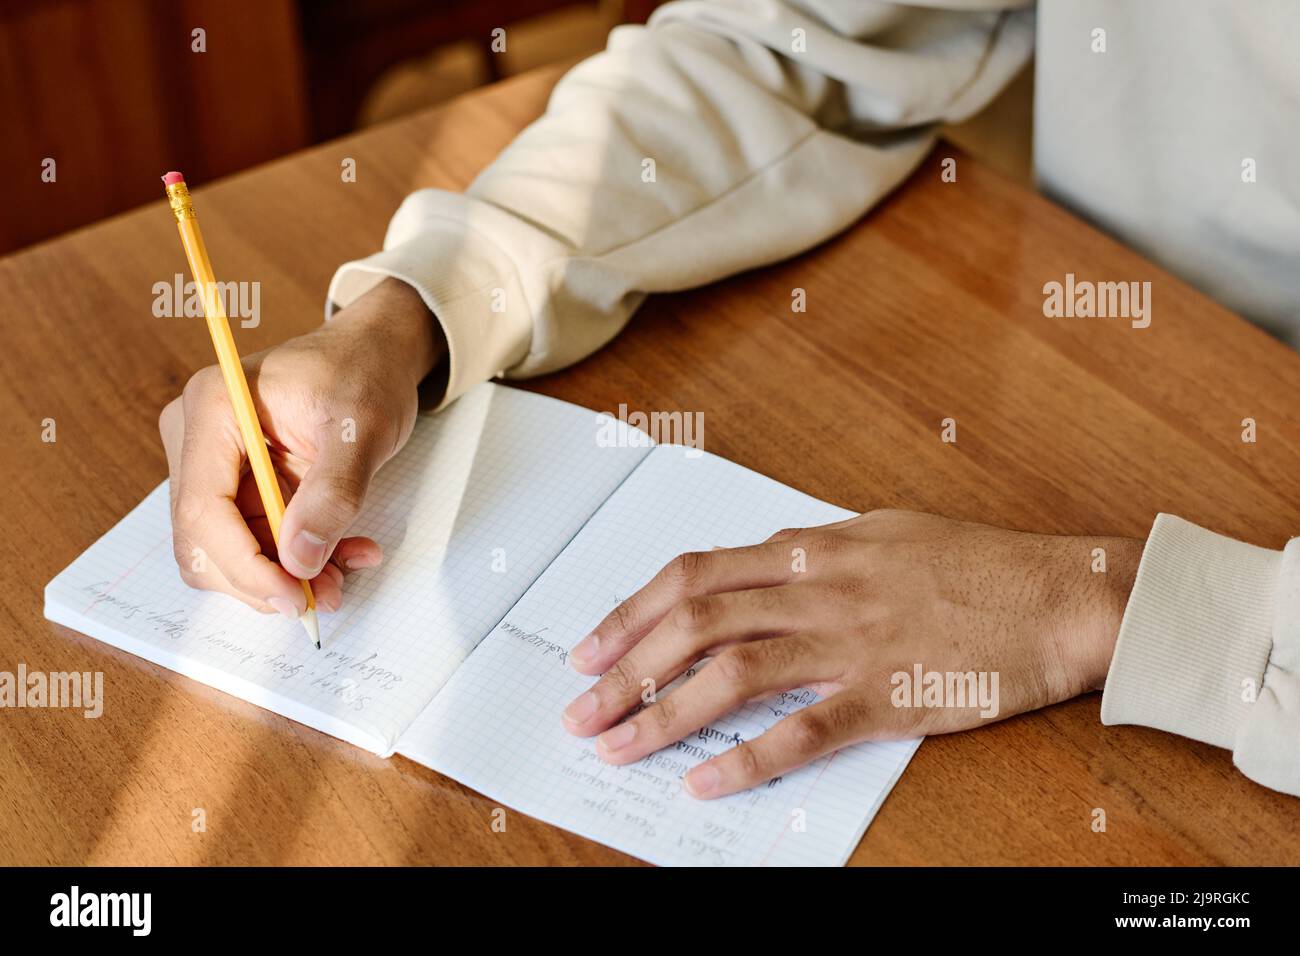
x=312 y=626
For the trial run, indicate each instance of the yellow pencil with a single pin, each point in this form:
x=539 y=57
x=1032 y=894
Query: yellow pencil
x=233 y=372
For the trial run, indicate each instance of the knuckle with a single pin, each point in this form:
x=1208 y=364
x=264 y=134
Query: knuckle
x=350 y=492
x=664 y=712
x=779 y=654
x=737 y=666
x=623 y=616
x=621 y=678
x=172 y=417
x=829 y=546
x=810 y=731
x=747 y=761
x=187 y=512
x=201 y=386
x=694 y=614
x=347 y=493
x=183 y=554
x=687 y=568
x=853 y=715
x=889 y=522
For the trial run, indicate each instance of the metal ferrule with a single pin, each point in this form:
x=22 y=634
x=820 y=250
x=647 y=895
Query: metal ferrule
x=179 y=197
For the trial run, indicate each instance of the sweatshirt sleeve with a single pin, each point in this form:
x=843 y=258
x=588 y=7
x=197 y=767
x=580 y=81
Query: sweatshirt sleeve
x=724 y=135
x=1210 y=648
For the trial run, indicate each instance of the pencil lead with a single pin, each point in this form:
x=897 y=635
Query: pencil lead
x=312 y=626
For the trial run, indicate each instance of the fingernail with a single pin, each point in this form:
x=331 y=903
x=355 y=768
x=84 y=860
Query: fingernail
x=618 y=737
x=582 y=708
x=284 y=606
x=360 y=562
x=308 y=550
x=703 y=780
x=585 y=651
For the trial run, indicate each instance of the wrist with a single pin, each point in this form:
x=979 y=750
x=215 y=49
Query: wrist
x=1111 y=589
x=394 y=314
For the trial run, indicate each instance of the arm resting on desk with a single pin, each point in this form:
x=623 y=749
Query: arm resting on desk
x=765 y=141
x=1210 y=648
x=769 y=130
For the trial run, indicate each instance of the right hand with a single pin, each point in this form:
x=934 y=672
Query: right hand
x=366 y=365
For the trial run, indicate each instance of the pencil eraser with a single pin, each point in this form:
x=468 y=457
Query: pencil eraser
x=172 y=178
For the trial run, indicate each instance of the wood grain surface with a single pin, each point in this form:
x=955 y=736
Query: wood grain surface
x=928 y=309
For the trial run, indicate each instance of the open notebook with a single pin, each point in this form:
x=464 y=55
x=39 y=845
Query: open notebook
x=509 y=531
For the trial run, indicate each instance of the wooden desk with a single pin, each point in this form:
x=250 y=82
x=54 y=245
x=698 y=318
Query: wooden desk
x=931 y=308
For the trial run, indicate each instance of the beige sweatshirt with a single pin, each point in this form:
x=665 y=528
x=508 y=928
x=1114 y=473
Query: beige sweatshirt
x=732 y=133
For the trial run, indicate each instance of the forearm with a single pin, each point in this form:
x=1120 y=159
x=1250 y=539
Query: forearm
x=716 y=140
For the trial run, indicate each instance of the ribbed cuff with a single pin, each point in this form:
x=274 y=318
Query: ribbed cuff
x=469 y=284
x=1196 y=634
x=1268 y=745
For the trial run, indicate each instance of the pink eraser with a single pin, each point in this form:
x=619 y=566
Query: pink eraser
x=172 y=178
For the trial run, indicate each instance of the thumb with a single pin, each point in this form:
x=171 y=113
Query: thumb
x=327 y=502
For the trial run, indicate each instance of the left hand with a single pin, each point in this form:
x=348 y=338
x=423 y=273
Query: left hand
x=841 y=609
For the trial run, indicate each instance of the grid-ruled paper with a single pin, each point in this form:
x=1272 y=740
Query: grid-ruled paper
x=495 y=725
x=473 y=509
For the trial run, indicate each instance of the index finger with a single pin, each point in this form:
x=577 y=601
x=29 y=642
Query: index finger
x=693 y=574
x=204 y=513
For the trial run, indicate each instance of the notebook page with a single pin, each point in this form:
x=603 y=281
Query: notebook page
x=482 y=498
x=496 y=726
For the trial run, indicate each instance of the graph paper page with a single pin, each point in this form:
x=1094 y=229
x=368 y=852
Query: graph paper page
x=495 y=726
x=481 y=499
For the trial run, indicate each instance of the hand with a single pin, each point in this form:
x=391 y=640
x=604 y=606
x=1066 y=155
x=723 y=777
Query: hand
x=365 y=365
x=879 y=594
